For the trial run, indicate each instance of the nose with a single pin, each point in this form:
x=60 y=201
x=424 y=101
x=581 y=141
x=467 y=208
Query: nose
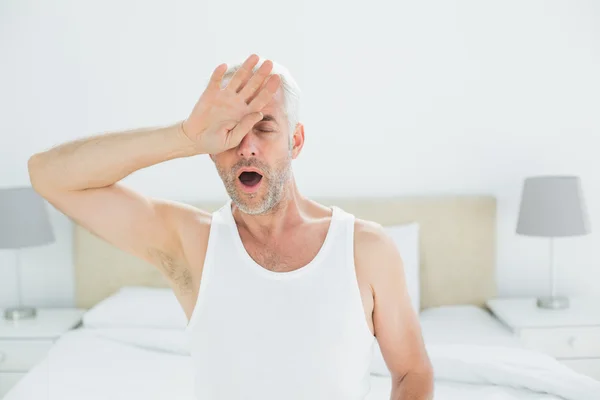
x=248 y=147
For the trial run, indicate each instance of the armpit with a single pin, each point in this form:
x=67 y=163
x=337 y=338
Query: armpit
x=175 y=271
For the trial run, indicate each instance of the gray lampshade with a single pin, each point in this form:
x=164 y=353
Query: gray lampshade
x=24 y=220
x=553 y=206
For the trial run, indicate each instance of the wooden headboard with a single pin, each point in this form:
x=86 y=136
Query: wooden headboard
x=457 y=255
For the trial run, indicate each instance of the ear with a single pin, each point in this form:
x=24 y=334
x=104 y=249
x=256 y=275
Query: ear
x=297 y=140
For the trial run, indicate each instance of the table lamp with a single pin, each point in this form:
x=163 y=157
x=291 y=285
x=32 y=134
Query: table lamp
x=24 y=222
x=552 y=206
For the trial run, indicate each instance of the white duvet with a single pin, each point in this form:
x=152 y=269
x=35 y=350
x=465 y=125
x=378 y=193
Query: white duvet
x=127 y=364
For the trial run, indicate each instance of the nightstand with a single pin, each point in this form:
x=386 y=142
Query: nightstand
x=25 y=342
x=571 y=335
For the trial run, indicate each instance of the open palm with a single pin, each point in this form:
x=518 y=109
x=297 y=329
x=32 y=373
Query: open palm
x=223 y=116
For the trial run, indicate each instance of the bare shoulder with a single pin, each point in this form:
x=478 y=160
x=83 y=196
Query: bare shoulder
x=396 y=324
x=375 y=253
x=370 y=236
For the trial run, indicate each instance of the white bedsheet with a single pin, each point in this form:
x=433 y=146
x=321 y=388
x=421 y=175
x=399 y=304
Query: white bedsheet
x=474 y=357
x=85 y=365
x=465 y=324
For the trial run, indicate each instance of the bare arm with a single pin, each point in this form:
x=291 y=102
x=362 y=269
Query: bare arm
x=81 y=178
x=396 y=324
x=104 y=159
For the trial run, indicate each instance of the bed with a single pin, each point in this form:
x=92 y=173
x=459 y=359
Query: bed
x=132 y=342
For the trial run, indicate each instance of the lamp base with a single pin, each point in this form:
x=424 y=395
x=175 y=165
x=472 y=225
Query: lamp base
x=18 y=313
x=553 y=303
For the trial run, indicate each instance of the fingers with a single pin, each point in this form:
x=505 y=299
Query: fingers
x=243 y=127
x=249 y=90
x=242 y=74
x=217 y=76
x=266 y=93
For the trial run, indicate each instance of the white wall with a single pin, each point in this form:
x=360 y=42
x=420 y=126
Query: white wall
x=400 y=98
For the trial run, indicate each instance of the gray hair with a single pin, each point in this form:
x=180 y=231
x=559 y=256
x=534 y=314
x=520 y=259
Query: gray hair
x=291 y=92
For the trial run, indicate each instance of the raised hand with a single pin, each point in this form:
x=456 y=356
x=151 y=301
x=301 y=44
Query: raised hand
x=222 y=117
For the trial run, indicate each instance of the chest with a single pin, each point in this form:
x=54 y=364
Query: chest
x=287 y=252
x=297 y=250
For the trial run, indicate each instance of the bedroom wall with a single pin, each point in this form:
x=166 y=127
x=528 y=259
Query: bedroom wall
x=400 y=98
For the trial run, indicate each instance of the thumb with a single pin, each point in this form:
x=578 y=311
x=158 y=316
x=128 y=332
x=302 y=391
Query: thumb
x=244 y=125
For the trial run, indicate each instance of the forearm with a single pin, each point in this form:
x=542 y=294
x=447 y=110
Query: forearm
x=105 y=159
x=413 y=386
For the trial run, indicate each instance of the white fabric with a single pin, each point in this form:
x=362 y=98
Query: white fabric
x=83 y=364
x=137 y=307
x=513 y=367
x=166 y=340
x=255 y=333
x=465 y=324
x=149 y=307
x=406 y=239
x=461 y=324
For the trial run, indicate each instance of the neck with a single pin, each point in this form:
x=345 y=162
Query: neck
x=286 y=213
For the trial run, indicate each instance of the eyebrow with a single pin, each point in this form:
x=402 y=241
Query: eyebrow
x=268 y=117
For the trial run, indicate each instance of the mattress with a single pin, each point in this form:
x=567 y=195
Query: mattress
x=93 y=363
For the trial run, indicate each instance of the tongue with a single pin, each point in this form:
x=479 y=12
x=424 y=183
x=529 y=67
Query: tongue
x=250 y=178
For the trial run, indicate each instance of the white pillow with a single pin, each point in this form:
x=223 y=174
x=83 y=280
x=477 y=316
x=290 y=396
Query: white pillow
x=137 y=307
x=406 y=238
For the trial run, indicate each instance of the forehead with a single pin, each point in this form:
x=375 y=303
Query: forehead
x=275 y=106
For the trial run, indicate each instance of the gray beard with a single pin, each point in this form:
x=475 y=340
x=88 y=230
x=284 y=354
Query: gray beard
x=276 y=180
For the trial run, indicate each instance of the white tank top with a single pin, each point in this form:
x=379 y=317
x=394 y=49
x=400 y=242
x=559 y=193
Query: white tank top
x=256 y=334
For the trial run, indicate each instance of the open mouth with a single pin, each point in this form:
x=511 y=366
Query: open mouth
x=250 y=178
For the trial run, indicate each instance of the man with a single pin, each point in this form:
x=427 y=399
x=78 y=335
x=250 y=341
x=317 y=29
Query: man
x=284 y=296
